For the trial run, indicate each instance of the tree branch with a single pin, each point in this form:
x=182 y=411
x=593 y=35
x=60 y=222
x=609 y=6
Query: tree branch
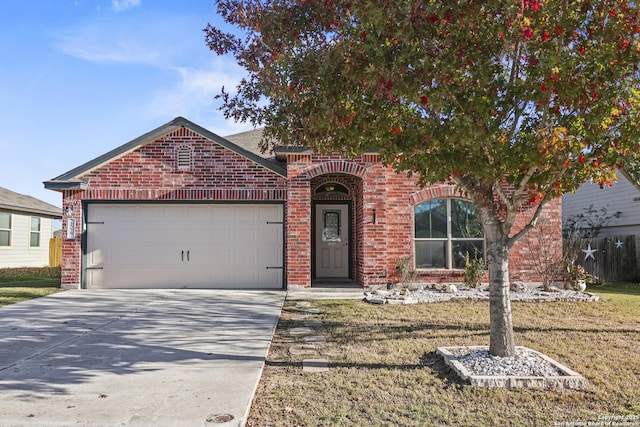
x=529 y=226
x=523 y=184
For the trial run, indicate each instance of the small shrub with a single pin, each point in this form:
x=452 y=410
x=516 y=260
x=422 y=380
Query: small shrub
x=474 y=271
x=407 y=272
x=575 y=272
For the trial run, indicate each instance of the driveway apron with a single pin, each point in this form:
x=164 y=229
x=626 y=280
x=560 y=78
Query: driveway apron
x=134 y=357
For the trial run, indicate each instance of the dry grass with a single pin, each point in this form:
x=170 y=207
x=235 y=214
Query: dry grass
x=384 y=370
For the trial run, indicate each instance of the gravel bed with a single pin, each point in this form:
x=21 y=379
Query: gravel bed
x=526 y=363
x=428 y=294
x=478 y=362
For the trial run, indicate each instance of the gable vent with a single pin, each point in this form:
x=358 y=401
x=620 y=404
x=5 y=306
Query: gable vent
x=183 y=160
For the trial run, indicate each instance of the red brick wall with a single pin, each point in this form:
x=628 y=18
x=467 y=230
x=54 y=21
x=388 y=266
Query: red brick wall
x=378 y=244
x=382 y=203
x=150 y=173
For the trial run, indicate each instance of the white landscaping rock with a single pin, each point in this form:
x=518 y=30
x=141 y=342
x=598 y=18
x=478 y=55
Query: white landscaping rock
x=444 y=292
x=518 y=287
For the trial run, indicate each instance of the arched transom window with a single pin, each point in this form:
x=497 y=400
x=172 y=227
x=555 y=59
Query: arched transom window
x=446 y=231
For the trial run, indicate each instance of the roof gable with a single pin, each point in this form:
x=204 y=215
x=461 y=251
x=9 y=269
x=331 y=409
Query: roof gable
x=10 y=200
x=72 y=178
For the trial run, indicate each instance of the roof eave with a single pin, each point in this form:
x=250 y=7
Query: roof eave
x=67 y=180
x=64 y=185
x=37 y=211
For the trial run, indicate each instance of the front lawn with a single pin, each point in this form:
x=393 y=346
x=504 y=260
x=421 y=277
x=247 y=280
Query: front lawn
x=21 y=284
x=384 y=369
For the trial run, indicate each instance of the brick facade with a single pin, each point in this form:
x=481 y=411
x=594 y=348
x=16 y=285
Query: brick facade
x=383 y=225
x=381 y=202
x=150 y=173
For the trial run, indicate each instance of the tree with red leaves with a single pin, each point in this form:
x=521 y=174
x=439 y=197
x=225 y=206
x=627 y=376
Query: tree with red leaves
x=515 y=101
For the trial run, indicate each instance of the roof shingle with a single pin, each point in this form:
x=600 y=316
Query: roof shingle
x=10 y=200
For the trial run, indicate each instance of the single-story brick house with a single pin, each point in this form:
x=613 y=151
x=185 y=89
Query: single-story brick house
x=26 y=226
x=182 y=207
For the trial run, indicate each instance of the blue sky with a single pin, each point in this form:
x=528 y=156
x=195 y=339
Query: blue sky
x=81 y=77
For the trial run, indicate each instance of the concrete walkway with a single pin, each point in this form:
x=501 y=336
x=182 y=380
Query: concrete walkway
x=298 y=293
x=134 y=357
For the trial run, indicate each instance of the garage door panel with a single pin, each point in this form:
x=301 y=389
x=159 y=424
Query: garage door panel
x=175 y=246
x=222 y=256
x=221 y=235
x=197 y=213
x=248 y=233
x=246 y=255
x=130 y=277
x=159 y=256
x=270 y=259
x=270 y=213
x=272 y=234
x=244 y=214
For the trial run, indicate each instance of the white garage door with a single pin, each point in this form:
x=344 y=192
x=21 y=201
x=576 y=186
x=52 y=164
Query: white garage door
x=184 y=245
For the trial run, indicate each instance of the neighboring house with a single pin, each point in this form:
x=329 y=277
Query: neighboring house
x=183 y=207
x=623 y=197
x=26 y=225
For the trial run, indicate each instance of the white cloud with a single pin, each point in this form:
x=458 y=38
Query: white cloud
x=192 y=96
x=118 y=50
x=130 y=40
x=122 y=5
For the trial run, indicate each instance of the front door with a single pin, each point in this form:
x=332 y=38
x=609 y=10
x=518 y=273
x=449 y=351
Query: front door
x=332 y=241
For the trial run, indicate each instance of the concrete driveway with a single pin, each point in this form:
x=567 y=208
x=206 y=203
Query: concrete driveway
x=134 y=357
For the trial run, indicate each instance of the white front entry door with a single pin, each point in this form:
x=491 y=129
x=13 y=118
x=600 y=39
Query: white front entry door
x=332 y=241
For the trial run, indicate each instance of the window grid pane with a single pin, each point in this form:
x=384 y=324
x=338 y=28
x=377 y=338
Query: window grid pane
x=5 y=238
x=431 y=219
x=5 y=221
x=5 y=229
x=34 y=238
x=446 y=230
x=463 y=248
x=431 y=254
x=464 y=221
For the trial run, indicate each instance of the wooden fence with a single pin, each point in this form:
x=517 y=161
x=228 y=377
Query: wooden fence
x=611 y=259
x=55 y=252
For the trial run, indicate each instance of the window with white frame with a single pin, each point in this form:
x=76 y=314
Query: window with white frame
x=5 y=229
x=34 y=236
x=446 y=232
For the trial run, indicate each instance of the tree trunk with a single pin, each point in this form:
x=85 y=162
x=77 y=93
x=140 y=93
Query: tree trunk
x=501 y=340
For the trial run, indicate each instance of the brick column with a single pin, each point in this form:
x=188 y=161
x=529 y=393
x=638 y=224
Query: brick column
x=374 y=234
x=298 y=222
x=71 y=240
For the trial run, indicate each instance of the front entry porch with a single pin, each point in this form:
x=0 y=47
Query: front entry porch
x=335 y=224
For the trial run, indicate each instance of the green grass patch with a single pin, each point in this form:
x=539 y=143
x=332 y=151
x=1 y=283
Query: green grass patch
x=618 y=289
x=21 y=284
x=384 y=369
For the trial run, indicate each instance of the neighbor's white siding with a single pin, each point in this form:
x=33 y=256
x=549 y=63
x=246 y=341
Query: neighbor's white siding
x=20 y=254
x=622 y=197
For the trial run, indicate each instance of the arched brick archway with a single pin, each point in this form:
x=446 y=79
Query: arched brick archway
x=435 y=192
x=333 y=167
